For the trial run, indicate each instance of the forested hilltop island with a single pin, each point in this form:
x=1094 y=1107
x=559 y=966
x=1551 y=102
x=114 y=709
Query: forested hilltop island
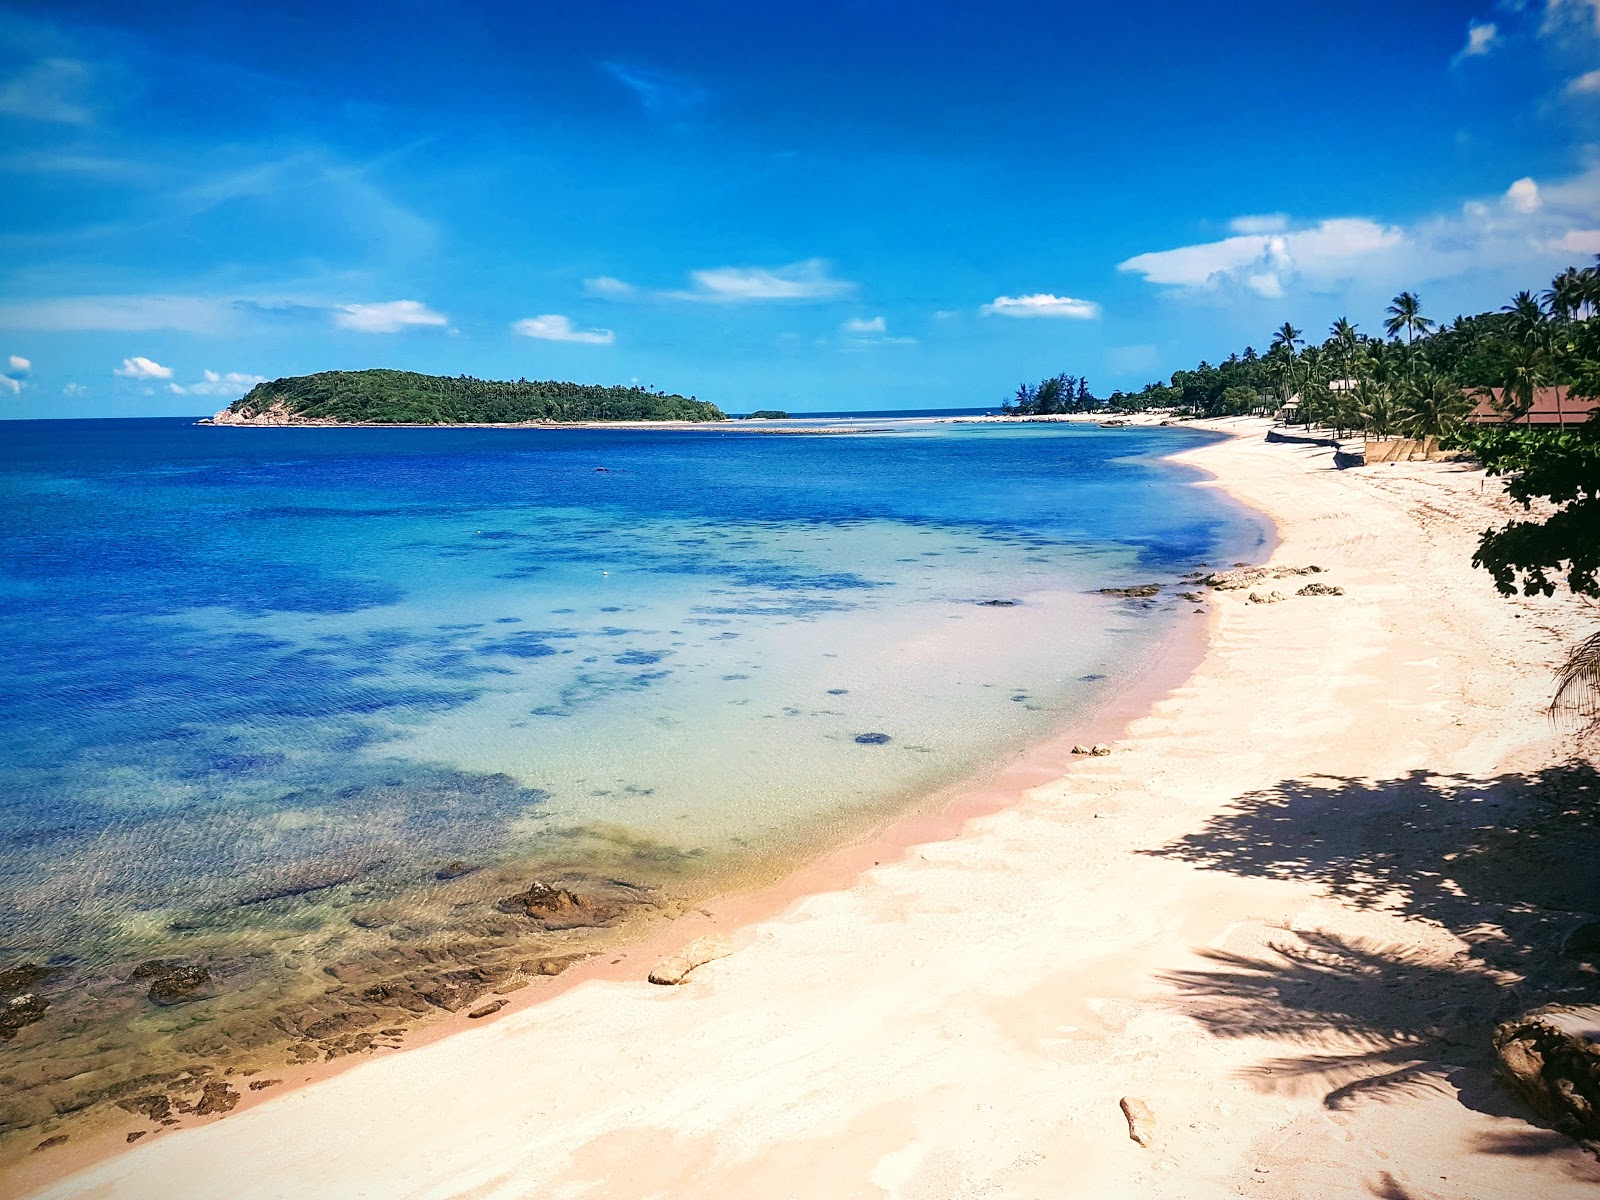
x=384 y=397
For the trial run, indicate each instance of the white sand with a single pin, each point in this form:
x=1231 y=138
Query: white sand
x=963 y=1021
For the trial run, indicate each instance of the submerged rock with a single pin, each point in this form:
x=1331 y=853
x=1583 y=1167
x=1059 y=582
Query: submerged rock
x=872 y=739
x=21 y=1011
x=23 y=976
x=1141 y=591
x=1550 y=1057
x=558 y=908
x=999 y=603
x=179 y=984
x=675 y=968
x=454 y=870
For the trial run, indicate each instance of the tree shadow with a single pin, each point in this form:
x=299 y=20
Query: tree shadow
x=1508 y=864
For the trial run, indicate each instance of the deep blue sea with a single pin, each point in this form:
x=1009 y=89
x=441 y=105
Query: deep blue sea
x=278 y=701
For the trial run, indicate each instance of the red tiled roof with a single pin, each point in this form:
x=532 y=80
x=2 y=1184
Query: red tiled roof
x=1551 y=406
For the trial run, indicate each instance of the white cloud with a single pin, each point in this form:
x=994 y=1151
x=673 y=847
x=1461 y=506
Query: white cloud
x=807 y=280
x=872 y=331
x=1262 y=223
x=14 y=384
x=1528 y=228
x=608 y=286
x=139 y=367
x=390 y=316
x=49 y=90
x=1041 y=304
x=1580 y=241
x=1482 y=37
x=17 y=365
x=865 y=326
x=1523 y=195
x=1561 y=13
x=1584 y=85
x=233 y=385
x=74 y=389
x=553 y=327
x=118 y=314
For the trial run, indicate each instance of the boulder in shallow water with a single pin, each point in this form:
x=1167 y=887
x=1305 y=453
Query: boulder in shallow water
x=1099 y=749
x=178 y=984
x=675 y=968
x=1550 y=1058
x=20 y=1011
x=1080 y=748
x=555 y=907
x=1140 y=591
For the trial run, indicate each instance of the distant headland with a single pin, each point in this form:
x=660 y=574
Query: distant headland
x=384 y=397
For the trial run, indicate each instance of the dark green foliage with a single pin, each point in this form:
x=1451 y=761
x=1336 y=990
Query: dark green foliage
x=1052 y=397
x=769 y=414
x=383 y=397
x=1558 y=466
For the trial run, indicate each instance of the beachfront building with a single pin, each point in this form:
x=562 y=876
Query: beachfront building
x=1552 y=406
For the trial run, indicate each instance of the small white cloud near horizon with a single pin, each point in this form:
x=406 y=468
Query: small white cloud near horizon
x=388 y=316
x=74 y=389
x=865 y=325
x=16 y=373
x=233 y=385
x=1482 y=37
x=140 y=367
x=553 y=327
x=872 y=331
x=1041 y=304
x=608 y=286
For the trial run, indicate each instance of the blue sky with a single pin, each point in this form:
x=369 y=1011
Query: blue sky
x=820 y=206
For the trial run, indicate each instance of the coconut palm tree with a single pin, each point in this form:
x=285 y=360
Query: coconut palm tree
x=1521 y=372
x=1578 y=680
x=1565 y=298
x=1432 y=406
x=1405 y=312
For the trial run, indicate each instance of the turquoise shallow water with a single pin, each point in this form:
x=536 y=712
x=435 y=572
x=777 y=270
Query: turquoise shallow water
x=279 y=699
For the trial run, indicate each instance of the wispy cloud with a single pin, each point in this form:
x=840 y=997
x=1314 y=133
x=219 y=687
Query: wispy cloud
x=808 y=279
x=872 y=331
x=661 y=92
x=1041 y=304
x=1586 y=84
x=232 y=385
x=51 y=90
x=553 y=327
x=389 y=316
x=1527 y=223
x=139 y=367
x=117 y=314
x=1482 y=37
x=609 y=287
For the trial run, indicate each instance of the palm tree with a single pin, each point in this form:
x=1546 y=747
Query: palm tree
x=1578 y=681
x=1405 y=312
x=1528 y=323
x=1521 y=372
x=1431 y=407
x=1284 y=342
x=1564 y=299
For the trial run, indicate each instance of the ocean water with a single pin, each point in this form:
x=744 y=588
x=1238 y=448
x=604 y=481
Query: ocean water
x=303 y=710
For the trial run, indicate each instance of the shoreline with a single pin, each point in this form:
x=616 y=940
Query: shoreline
x=999 y=851
x=929 y=816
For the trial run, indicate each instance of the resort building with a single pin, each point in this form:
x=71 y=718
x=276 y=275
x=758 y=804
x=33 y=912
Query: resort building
x=1551 y=406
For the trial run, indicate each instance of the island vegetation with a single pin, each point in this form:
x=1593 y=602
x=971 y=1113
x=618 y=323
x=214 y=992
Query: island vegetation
x=768 y=414
x=384 y=397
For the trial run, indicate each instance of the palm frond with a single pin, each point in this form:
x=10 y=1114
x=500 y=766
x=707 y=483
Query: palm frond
x=1578 y=681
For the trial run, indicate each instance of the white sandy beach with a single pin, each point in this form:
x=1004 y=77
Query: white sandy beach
x=1173 y=923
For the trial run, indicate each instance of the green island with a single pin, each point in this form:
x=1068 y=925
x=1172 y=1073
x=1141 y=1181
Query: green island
x=768 y=414
x=385 y=397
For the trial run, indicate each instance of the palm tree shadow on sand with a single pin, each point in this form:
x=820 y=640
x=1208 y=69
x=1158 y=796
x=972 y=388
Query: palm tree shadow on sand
x=1508 y=864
